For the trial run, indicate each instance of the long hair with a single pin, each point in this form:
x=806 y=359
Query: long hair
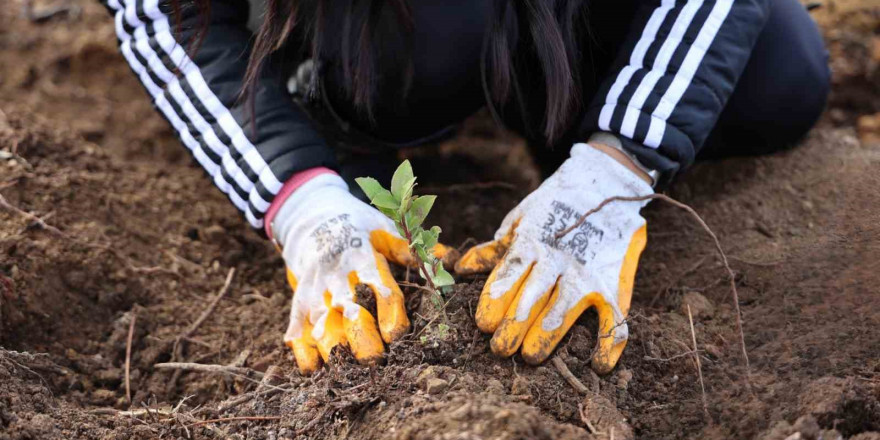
x=520 y=34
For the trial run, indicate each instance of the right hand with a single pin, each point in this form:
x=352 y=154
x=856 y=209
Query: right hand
x=331 y=242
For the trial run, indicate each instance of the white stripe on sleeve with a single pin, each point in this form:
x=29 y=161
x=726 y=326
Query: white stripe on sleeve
x=636 y=62
x=659 y=67
x=686 y=72
x=167 y=110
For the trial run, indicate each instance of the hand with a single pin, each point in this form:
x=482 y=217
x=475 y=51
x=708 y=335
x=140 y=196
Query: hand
x=331 y=242
x=543 y=284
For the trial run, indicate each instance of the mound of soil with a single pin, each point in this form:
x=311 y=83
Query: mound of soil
x=108 y=226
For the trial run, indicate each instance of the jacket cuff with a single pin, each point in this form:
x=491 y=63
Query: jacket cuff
x=292 y=184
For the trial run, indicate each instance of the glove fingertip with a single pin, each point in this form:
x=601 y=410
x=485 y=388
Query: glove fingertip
x=605 y=360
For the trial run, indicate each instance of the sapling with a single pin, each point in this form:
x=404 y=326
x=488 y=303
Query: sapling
x=408 y=213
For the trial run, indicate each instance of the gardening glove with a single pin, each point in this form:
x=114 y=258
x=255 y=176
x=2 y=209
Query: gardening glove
x=331 y=242
x=539 y=284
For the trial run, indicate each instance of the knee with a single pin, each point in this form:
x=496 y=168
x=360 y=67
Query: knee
x=812 y=87
x=804 y=77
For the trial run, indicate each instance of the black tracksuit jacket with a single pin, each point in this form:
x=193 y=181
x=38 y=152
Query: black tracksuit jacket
x=659 y=74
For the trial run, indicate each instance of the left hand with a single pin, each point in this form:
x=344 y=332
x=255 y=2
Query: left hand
x=543 y=284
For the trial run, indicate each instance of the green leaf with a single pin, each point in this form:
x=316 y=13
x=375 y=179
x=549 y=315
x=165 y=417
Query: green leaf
x=418 y=241
x=370 y=186
x=390 y=213
x=443 y=278
x=428 y=238
x=419 y=210
x=402 y=180
x=422 y=253
x=407 y=191
x=384 y=199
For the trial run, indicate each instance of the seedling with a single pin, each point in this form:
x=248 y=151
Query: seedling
x=408 y=213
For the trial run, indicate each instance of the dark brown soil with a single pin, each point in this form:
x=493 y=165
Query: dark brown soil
x=142 y=234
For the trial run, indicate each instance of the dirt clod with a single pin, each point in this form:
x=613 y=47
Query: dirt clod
x=603 y=416
x=700 y=306
x=436 y=386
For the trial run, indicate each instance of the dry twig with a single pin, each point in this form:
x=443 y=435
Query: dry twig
x=311 y=424
x=569 y=376
x=177 y=351
x=198 y=322
x=672 y=358
x=732 y=277
x=584 y=418
x=699 y=366
x=244 y=398
x=233 y=419
x=128 y=356
x=210 y=368
x=31 y=217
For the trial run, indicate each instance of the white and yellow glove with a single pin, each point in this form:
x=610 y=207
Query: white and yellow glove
x=331 y=242
x=539 y=284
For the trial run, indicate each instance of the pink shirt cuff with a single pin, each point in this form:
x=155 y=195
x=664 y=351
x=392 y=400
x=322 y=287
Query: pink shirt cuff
x=296 y=181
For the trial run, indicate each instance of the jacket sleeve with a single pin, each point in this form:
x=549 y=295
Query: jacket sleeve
x=673 y=76
x=197 y=92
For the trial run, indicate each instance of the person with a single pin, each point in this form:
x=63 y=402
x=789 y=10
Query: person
x=617 y=96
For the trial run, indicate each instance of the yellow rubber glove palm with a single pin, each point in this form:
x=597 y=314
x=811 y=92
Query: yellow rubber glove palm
x=539 y=284
x=331 y=242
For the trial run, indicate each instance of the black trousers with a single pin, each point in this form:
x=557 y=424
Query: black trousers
x=779 y=97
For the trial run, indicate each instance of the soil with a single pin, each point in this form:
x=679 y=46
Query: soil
x=142 y=236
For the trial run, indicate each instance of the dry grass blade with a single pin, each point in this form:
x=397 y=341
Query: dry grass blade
x=198 y=322
x=693 y=213
x=128 y=356
x=699 y=365
x=233 y=419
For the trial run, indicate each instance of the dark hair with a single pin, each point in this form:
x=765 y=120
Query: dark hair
x=521 y=33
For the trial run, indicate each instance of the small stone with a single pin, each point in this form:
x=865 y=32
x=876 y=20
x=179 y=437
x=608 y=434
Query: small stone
x=808 y=427
x=436 y=386
x=273 y=376
x=212 y=234
x=431 y=372
x=869 y=129
x=875 y=53
x=520 y=387
x=605 y=417
x=653 y=350
x=700 y=305
x=713 y=350
x=503 y=414
x=103 y=397
x=109 y=376
x=494 y=386
x=623 y=378
x=837 y=115
x=461 y=413
x=831 y=434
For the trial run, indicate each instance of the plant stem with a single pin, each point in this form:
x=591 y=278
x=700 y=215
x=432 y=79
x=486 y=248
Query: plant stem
x=425 y=274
